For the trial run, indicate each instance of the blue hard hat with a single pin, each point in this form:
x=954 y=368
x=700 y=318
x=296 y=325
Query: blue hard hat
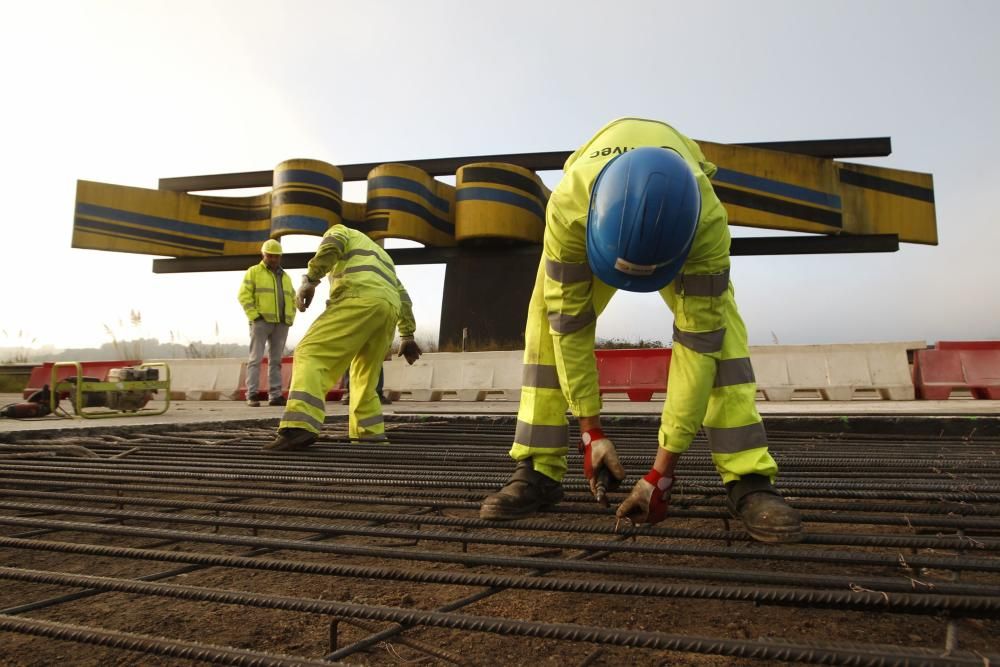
x=644 y=209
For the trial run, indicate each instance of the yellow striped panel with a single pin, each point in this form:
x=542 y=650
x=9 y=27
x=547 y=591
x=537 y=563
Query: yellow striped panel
x=494 y=200
x=307 y=197
x=776 y=190
x=155 y=222
x=888 y=201
x=406 y=202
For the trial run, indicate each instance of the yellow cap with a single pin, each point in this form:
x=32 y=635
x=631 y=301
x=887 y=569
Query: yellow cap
x=271 y=247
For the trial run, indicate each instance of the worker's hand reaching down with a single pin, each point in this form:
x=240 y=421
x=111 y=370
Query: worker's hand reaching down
x=409 y=350
x=600 y=464
x=649 y=499
x=305 y=294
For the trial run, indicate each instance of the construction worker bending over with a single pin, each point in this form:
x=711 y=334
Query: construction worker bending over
x=268 y=298
x=356 y=330
x=635 y=211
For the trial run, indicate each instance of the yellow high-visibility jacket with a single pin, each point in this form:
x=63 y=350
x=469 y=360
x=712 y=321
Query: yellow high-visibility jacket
x=569 y=301
x=268 y=294
x=359 y=267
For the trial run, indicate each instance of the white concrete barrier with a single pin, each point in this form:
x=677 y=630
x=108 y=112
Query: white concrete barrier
x=470 y=376
x=783 y=372
x=204 y=379
x=834 y=372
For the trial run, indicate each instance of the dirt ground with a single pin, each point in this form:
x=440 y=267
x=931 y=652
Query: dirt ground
x=306 y=634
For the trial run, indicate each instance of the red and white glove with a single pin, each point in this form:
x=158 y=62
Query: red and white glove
x=598 y=455
x=649 y=499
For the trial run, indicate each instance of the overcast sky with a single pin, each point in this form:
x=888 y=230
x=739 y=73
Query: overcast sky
x=129 y=92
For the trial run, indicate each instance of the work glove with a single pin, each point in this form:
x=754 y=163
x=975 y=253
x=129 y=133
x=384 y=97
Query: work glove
x=409 y=350
x=649 y=499
x=600 y=464
x=305 y=294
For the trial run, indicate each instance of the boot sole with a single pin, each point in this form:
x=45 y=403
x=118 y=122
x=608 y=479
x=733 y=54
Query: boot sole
x=789 y=535
x=496 y=513
x=291 y=447
x=499 y=514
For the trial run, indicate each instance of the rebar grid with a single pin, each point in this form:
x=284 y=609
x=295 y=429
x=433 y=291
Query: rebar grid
x=891 y=523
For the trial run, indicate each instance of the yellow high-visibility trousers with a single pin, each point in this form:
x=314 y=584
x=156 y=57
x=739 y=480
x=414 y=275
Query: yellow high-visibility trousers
x=735 y=431
x=353 y=332
x=542 y=432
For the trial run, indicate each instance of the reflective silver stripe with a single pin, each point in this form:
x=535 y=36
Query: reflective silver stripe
x=567 y=324
x=248 y=282
x=736 y=439
x=317 y=403
x=541 y=376
x=565 y=272
x=700 y=341
x=269 y=290
x=374 y=269
x=292 y=416
x=369 y=253
x=733 y=371
x=693 y=284
x=404 y=296
x=333 y=240
x=371 y=421
x=536 y=435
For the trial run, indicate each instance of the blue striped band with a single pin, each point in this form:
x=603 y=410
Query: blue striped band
x=406 y=185
x=501 y=197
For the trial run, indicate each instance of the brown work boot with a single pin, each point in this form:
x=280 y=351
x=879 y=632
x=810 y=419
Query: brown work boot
x=290 y=439
x=764 y=513
x=527 y=492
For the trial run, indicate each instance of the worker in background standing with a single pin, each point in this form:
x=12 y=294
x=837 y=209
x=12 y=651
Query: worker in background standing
x=268 y=298
x=635 y=210
x=356 y=330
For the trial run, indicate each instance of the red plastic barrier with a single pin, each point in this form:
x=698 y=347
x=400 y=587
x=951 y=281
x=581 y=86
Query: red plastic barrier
x=639 y=373
x=968 y=345
x=42 y=375
x=263 y=382
x=334 y=394
x=936 y=373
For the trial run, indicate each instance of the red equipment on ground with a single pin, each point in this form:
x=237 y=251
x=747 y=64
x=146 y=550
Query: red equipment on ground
x=37 y=405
